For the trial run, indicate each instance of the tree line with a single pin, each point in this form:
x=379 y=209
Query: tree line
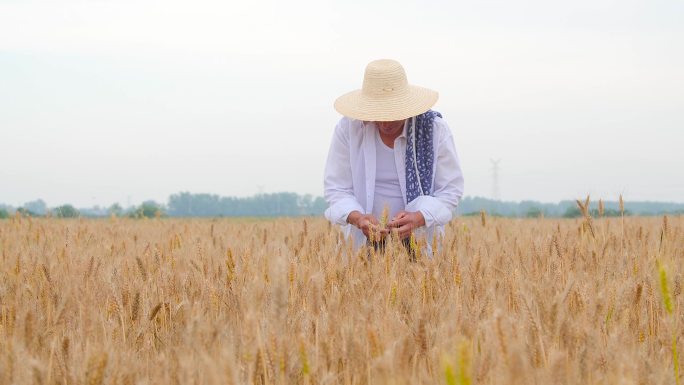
x=563 y=209
x=186 y=204
x=272 y=205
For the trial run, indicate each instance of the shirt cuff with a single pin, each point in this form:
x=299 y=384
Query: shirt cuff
x=338 y=212
x=434 y=211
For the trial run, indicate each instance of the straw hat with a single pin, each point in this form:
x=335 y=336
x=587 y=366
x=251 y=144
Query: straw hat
x=385 y=95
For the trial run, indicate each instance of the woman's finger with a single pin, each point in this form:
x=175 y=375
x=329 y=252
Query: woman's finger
x=400 y=221
x=405 y=230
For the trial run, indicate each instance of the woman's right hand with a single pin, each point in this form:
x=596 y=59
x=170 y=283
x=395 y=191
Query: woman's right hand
x=368 y=224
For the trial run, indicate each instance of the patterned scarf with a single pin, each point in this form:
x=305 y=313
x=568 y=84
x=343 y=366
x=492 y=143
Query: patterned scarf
x=419 y=165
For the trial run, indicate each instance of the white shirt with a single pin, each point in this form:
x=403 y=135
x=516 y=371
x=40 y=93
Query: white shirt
x=350 y=176
x=387 y=188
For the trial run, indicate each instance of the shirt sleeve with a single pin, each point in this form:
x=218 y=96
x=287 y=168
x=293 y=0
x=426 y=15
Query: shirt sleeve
x=338 y=183
x=437 y=208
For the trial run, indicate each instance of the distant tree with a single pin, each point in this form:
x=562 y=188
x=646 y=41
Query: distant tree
x=572 y=212
x=115 y=209
x=534 y=212
x=4 y=214
x=65 y=211
x=26 y=213
x=608 y=213
x=277 y=204
x=37 y=207
x=308 y=205
x=319 y=206
x=304 y=203
x=148 y=209
x=186 y=204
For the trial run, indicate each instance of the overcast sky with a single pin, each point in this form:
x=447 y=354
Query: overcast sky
x=123 y=101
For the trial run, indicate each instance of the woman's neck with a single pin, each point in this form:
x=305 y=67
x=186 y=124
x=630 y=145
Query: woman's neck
x=389 y=131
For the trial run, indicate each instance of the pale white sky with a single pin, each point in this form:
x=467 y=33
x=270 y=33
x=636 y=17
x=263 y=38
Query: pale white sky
x=105 y=101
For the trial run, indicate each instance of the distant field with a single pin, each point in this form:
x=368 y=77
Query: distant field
x=281 y=301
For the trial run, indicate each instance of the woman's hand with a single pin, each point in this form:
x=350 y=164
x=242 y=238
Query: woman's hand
x=407 y=221
x=368 y=224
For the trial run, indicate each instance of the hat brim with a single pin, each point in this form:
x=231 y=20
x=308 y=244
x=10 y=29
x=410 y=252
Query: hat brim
x=416 y=101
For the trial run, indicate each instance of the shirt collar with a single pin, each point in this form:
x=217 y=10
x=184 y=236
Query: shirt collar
x=404 y=132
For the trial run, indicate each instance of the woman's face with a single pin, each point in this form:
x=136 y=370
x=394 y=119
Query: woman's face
x=390 y=128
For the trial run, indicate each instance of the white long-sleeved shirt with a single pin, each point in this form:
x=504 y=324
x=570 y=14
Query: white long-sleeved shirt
x=387 y=194
x=349 y=180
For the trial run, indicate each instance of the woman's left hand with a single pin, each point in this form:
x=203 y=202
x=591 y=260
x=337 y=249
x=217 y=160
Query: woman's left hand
x=407 y=221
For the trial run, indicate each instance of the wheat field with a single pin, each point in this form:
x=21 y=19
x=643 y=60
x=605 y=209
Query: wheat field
x=284 y=301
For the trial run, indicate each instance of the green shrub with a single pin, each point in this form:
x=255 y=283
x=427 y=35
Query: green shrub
x=65 y=211
x=148 y=209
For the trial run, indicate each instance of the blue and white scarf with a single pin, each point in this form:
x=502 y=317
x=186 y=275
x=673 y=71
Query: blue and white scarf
x=419 y=163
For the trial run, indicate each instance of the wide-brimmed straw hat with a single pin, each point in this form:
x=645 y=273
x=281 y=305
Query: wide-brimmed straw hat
x=385 y=95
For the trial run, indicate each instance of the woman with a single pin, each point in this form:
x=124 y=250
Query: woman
x=391 y=153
